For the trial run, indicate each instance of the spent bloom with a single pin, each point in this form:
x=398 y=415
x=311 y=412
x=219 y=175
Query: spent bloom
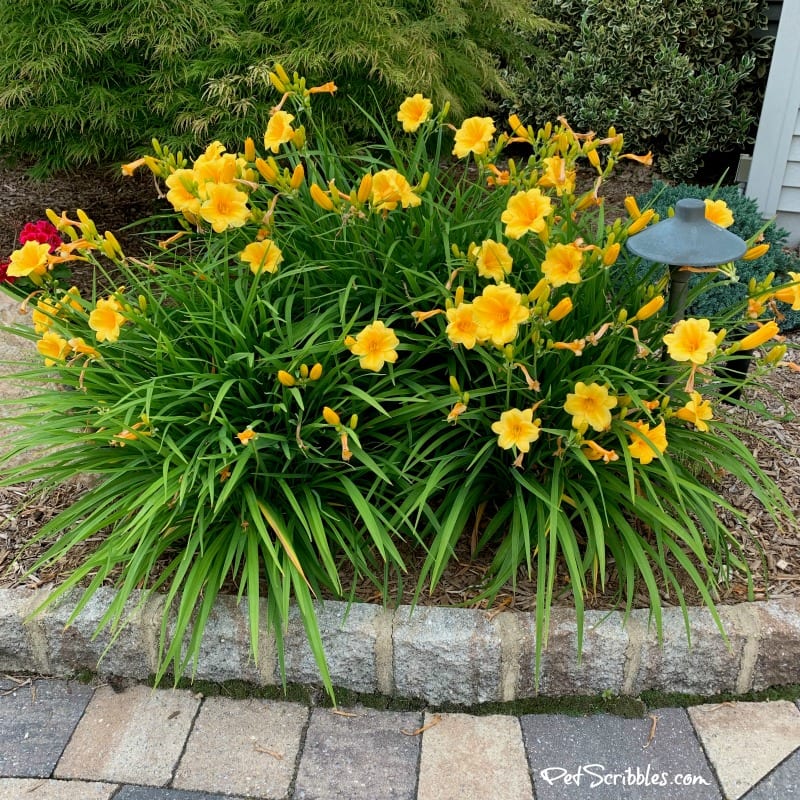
x=517 y=428
x=717 y=211
x=590 y=406
x=647 y=443
x=414 y=111
x=279 y=131
x=474 y=136
x=263 y=256
x=696 y=411
x=526 y=212
x=493 y=260
x=691 y=340
x=562 y=264
x=499 y=312
x=374 y=346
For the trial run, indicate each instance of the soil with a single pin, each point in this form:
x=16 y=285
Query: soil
x=113 y=202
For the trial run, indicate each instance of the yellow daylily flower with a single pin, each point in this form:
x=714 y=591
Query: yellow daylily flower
x=517 y=428
x=374 y=346
x=414 y=111
x=590 y=406
x=691 y=340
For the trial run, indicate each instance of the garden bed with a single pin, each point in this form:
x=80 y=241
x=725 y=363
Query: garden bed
x=114 y=202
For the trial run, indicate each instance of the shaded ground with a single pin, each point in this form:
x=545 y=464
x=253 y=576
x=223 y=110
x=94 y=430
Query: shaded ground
x=773 y=550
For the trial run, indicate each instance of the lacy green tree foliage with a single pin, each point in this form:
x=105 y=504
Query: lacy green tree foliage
x=99 y=78
x=683 y=79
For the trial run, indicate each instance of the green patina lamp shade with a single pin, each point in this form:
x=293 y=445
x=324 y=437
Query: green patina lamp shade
x=688 y=239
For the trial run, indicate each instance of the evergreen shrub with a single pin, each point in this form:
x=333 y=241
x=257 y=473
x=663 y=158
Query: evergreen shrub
x=92 y=80
x=683 y=79
x=339 y=352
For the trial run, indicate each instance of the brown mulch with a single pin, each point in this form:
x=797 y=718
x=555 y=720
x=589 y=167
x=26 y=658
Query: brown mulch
x=772 y=549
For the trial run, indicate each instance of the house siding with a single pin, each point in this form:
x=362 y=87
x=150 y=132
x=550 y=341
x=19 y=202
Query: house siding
x=774 y=180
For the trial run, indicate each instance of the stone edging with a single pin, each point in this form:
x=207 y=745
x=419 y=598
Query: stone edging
x=438 y=655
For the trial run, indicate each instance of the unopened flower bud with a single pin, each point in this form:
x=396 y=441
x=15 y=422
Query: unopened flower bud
x=249 y=149
x=297 y=177
x=353 y=422
x=316 y=372
x=560 y=310
x=632 y=207
x=285 y=378
x=304 y=371
x=364 y=188
x=755 y=252
x=320 y=198
x=330 y=416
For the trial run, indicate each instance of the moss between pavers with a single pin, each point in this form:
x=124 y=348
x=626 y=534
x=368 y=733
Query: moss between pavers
x=575 y=705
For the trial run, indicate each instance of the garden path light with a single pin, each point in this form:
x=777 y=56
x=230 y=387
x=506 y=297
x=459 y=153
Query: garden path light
x=686 y=240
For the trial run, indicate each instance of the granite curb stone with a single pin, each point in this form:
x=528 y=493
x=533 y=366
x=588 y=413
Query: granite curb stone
x=438 y=655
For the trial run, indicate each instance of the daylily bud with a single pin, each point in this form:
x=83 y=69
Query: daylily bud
x=304 y=371
x=611 y=254
x=330 y=416
x=423 y=184
x=755 y=252
x=353 y=424
x=268 y=172
x=542 y=289
x=320 y=198
x=454 y=384
x=285 y=378
x=776 y=354
x=560 y=310
x=766 y=332
x=459 y=296
x=641 y=222
x=297 y=177
x=632 y=207
x=249 y=149
x=299 y=138
x=316 y=372
x=276 y=82
x=281 y=72
x=364 y=188
x=594 y=158
x=648 y=309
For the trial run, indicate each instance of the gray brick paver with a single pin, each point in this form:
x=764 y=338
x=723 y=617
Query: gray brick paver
x=783 y=782
x=603 y=757
x=135 y=736
x=361 y=757
x=36 y=722
x=157 y=793
x=245 y=747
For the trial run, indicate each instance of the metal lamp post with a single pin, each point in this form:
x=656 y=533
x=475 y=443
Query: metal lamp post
x=686 y=240
x=690 y=240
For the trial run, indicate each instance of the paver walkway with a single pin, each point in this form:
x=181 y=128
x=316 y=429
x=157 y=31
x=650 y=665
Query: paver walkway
x=63 y=740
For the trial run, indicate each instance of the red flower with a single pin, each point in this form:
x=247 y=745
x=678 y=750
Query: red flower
x=41 y=231
x=4 y=276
